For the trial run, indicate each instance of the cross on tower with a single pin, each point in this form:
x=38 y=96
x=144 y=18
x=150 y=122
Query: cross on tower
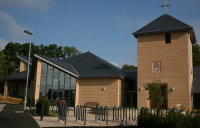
x=165 y=5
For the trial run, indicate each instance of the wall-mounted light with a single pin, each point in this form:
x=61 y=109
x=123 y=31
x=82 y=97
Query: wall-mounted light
x=172 y=89
x=103 y=89
x=140 y=88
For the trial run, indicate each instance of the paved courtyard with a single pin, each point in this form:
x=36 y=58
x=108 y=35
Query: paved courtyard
x=71 y=121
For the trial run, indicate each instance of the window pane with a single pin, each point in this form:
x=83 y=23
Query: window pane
x=72 y=97
x=55 y=83
x=48 y=92
x=73 y=83
x=67 y=94
x=61 y=87
x=167 y=38
x=44 y=69
x=42 y=86
x=50 y=67
x=56 y=72
x=49 y=77
x=67 y=76
x=61 y=78
x=67 y=84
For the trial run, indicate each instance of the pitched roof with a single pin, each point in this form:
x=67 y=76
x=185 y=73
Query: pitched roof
x=24 y=58
x=16 y=76
x=196 y=80
x=131 y=72
x=90 y=65
x=59 y=64
x=165 y=23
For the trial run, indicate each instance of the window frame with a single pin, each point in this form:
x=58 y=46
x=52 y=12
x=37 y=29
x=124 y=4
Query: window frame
x=168 y=38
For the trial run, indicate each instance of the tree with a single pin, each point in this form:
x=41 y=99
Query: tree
x=2 y=70
x=126 y=66
x=196 y=54
x=156 y=95
x=70 y=51
x=52 y=51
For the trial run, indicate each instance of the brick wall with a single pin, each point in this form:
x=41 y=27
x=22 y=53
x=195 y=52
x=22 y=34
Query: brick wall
x=21 y=66
x=176 y=65
x=91 y=90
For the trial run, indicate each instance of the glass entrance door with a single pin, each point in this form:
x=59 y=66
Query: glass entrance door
x=57 y=94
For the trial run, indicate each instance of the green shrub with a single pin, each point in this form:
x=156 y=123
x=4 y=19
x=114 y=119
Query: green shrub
x=174 y=119
x=30 y=102
x=39 y=105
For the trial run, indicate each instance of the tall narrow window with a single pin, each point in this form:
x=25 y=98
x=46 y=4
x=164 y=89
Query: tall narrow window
x=168 y=38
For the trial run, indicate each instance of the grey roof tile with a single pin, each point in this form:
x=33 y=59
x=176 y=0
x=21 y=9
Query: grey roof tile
x=62 y=64
x=90 y=65
x=25 y=58
x=165 y=23
x=16 y=76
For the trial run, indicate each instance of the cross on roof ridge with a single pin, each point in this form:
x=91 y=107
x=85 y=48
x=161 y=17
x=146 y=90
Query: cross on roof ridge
x=165 y=5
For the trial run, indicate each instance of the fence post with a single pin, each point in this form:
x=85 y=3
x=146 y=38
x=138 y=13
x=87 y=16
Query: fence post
x=42 y=112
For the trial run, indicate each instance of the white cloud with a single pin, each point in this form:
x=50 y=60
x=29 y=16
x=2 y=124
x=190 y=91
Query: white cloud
x=40 y=5
x=10 y=29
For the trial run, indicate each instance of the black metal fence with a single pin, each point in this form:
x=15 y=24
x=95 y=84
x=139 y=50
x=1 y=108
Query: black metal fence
x=81 y=113
x=116 y=114
x=62 y=112
x=119 y=114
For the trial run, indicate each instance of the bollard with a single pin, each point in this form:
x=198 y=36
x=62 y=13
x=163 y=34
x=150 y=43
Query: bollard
x=126 y=116
x=130 y=114
x=42 y=112
x=74 y=111
x=84 y=109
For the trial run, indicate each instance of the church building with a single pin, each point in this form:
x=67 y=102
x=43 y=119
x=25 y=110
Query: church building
x=164 y=53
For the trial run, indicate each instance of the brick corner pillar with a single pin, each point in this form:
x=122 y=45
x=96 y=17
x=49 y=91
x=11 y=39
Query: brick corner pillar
x=5 y=92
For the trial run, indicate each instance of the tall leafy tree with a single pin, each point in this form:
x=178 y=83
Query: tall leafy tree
x=70 y=51
x=53 y=51
x=196 y=54
x=2 y=70
x=126 y=66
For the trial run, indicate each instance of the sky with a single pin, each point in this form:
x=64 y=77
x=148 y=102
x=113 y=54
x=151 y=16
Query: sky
x=110 y=23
